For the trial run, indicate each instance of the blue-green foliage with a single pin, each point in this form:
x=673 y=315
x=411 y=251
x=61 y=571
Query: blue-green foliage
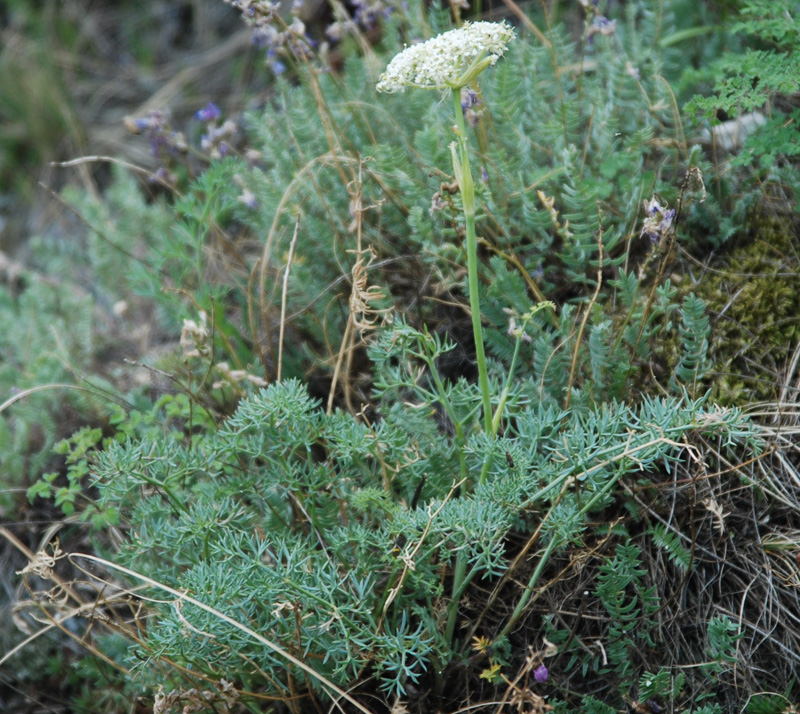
x=630 y=606
x=670 y=541
x=722 y=636
x=694 y=333
x=47 y=337
x=286 y=512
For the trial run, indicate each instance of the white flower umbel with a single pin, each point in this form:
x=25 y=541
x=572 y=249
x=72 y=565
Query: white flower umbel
x=450 y=60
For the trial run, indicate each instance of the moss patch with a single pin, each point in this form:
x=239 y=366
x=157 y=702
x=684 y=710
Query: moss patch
x=754 y=306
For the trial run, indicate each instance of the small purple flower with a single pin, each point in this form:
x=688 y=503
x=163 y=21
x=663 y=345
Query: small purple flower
x=209 y=112
x=658 y=220
x=602 y=26
x=469 y=98
x=163 y=141
x=260 y=38
x=164 y=176
x=217 y=141
x=470 y=101
x=540 y=674
x=652 y=207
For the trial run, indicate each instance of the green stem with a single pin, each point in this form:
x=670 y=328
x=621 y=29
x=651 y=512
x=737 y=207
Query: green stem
x=526 y=594
x=498 y=413
x=458 y=577
x=468 y=201
x=507 y=388
x=555 y=541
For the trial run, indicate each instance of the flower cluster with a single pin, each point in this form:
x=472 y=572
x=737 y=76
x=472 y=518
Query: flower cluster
x=658 y=220
x=470 y=103
x=367 y=14
x=599 y=25
x=271 y=33
x=156 y=127
x=256 y=13
x=452 y=59
x=165 y=143
x=196 y=337
x=171 y=149
x=216 y=141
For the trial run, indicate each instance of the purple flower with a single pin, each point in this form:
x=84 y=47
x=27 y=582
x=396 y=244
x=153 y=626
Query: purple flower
x=470 y=101
x=260 y=38
x=164 y=176
x=540 y=673
x=469 y=98
x=217 y=140
x=658 y=220
x=602 y=26
x=209 y=112
x=652 y=207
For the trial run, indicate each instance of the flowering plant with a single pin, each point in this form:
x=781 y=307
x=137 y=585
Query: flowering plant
x=452 y=61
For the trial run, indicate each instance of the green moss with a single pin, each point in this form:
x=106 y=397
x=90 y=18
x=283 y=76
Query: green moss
x=754 y=303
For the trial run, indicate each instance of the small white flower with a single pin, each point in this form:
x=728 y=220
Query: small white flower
x=452 y=59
